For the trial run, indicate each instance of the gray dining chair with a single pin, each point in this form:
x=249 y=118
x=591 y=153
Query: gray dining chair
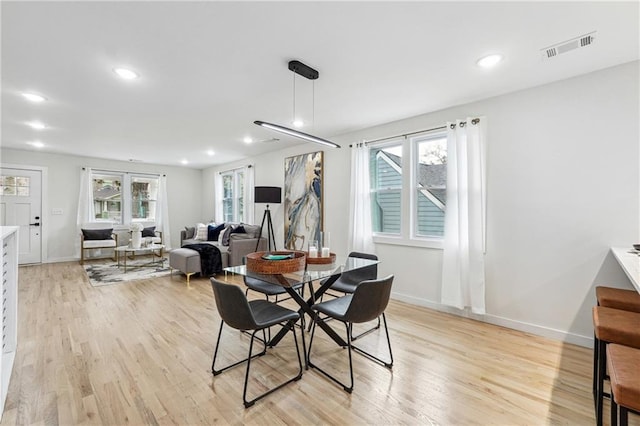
x=349 y=280
x=368 y=301
x=255 y=315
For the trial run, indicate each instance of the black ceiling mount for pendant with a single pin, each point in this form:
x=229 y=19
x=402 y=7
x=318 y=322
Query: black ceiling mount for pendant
x=303 y=70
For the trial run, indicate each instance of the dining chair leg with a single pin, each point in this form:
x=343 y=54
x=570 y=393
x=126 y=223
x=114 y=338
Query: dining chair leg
x=349 y=389
x=388 y=364
x=247 y=403
x=364 y=333
x=215 y=354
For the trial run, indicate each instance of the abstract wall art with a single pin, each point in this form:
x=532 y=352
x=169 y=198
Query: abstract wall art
x=303 y=209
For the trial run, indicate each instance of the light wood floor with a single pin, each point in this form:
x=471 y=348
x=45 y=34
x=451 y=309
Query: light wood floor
x=140 y=353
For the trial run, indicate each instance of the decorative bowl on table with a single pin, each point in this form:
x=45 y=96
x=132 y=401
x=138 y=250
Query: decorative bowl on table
x=276 y=262
x=321 y=260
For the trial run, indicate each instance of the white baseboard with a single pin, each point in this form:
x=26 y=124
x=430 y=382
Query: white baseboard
x=539 y=330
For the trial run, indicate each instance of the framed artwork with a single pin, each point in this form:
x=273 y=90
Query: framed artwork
x=303 y=200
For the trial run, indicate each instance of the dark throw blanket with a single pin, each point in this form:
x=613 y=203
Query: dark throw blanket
x=210 y=260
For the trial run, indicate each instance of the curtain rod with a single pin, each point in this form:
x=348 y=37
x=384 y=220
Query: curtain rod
x=237 y=168
x=401 y=135
x=124 y=171
x=453 y=125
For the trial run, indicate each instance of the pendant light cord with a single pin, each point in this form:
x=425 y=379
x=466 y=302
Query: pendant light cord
x=294 y=98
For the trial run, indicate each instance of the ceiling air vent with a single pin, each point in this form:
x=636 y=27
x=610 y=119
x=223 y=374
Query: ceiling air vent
x=566 y=46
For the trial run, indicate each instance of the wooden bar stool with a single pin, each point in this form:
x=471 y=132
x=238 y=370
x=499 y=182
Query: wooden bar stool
x=623 y=363
x=618 y=298
x=610 y=326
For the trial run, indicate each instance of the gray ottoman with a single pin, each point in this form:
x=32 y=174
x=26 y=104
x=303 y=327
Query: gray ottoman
x=186 y=261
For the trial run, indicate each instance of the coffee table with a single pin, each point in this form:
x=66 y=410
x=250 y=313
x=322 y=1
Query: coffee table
x=154 y=250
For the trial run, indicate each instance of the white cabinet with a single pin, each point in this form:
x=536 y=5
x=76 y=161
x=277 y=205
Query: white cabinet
x=9 y=271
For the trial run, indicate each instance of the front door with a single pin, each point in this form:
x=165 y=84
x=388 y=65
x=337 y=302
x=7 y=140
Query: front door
x=21 y=205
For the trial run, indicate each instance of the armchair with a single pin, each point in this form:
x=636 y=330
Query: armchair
x=97 y=235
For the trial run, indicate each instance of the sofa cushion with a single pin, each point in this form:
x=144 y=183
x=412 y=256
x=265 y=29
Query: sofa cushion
x=97 y=234
x=189 y=232
x=213 y=233
x=202 y=232
x=149 y=232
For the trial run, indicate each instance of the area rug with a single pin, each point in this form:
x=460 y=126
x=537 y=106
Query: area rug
x=101 y=274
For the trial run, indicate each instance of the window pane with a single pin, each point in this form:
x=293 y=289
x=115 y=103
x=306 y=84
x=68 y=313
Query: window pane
x=386 y=183
x=144 y=192
x=15 y=185
x=431 y=175
x=107 y=197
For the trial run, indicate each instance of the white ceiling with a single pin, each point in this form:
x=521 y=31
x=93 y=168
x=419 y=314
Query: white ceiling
x=209 y=69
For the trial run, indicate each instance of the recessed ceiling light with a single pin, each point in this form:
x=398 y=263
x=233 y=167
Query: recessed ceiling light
x=184 y=162
x=126 y=74
x=298 y=123
x=33 y=97
x=489 y=61
x=248 y=140
x=211 y=153
x=36 y=125
x=36 y=144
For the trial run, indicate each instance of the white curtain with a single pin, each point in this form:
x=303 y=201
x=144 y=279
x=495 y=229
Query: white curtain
x=162 y=212
x=463 y=278
x=219 y=215
x=360 y=231
x=86 y=210
x=249 y=207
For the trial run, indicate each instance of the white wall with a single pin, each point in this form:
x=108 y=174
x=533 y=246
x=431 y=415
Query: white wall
x=183 y=191
x=563 y=186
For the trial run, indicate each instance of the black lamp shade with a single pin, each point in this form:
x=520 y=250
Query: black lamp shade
x=267 y=194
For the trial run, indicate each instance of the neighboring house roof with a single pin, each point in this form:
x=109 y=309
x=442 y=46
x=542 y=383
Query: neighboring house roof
x=435 y=174
x=106 y=193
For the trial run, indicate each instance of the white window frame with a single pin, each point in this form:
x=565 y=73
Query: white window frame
x=237 y=176
x=126 y=195
x=408 y=197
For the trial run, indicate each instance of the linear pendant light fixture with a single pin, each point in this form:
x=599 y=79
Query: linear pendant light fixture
x=308 y=72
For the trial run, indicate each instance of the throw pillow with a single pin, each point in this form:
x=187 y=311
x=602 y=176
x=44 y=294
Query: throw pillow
x=201 y=232
x=252 y=230
x=97 y=234
x=227 y=235
x=214 y=232
x=149 y=232
x=238 y=230
x=190 y=232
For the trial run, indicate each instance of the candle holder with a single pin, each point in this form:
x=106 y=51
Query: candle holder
x=325 y=238
x=313 y=248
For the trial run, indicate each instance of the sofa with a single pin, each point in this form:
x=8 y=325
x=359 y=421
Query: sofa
x=233 y=246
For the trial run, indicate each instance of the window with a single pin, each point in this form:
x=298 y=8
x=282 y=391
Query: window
x=233 y=195
x=386 y=182
x=107 y=197
x=408 y=189
x=124 y=197
x=144 y=193
x=15 y=185
x=430 y=186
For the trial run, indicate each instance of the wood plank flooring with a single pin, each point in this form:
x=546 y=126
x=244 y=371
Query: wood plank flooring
x=140 y=353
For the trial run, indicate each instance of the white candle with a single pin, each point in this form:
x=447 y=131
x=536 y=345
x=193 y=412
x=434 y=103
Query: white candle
x=313 y=252
x=325 y=251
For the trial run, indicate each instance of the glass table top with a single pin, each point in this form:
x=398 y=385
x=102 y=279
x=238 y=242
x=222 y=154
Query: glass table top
x=310 y=273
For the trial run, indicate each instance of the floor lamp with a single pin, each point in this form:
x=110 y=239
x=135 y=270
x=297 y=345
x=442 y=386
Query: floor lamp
x=267 y=194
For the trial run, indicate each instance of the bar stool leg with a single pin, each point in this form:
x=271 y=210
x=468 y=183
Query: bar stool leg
x=595 y=370
x=602 y=371
x=614 y=412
